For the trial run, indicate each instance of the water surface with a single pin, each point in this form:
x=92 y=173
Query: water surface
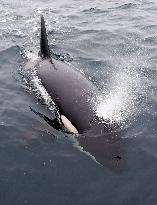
x=115 y=44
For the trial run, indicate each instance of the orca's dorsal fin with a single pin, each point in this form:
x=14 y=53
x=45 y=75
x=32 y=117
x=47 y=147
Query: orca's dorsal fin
x=44 y=47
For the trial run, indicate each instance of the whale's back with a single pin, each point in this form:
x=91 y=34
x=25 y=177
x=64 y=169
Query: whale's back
x=71 y=91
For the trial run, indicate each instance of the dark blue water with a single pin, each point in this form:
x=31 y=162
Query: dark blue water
x=115 y=44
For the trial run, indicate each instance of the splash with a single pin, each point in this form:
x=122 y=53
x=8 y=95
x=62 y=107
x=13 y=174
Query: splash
x=32 y=82
x=121 y=102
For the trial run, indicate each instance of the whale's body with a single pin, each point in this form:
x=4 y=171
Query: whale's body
x=76 y=97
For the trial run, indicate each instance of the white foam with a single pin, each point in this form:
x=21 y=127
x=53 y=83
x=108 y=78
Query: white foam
x=121 y=101
x=33 y=83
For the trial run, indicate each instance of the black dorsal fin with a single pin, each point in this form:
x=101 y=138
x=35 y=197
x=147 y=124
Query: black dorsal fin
x=44 y=47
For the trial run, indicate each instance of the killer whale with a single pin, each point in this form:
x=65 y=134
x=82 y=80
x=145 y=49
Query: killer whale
x=75 y=97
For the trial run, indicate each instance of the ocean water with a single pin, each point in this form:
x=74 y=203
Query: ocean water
x=114 y=43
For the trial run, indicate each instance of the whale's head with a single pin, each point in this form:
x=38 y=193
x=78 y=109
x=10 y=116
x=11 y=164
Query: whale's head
x=106 y=143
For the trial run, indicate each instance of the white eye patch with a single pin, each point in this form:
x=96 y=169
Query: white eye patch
x=68 y=125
